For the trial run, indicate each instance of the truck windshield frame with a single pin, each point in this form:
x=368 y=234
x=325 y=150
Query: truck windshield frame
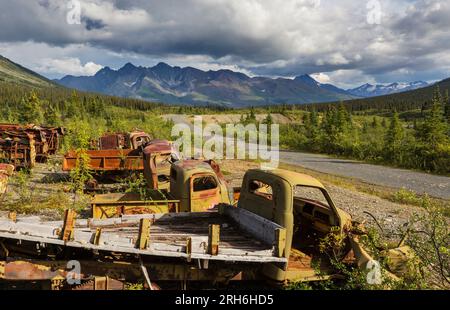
x=327 y=197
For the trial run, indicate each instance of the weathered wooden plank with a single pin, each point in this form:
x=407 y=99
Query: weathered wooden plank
x=68 y=226
x=259 y=227
x=213 y=239
x=144 y=234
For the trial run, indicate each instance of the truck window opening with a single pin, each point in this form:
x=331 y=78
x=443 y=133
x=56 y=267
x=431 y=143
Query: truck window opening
x=204 y=183
x=261 y=189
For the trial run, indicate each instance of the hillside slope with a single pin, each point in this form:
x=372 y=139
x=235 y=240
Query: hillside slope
x=14 y=73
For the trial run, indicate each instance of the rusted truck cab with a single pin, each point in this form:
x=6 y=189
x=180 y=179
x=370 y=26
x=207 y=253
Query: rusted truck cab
x=301 y=205
x=115 y=141
x=158 y=156
x=197 y=185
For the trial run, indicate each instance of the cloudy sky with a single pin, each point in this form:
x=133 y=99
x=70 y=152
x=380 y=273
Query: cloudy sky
x=343 y=42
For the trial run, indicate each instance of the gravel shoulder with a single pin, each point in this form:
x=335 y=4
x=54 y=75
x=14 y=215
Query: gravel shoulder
x=421 y=183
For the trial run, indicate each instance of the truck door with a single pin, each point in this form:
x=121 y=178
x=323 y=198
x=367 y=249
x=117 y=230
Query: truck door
x=204 y=192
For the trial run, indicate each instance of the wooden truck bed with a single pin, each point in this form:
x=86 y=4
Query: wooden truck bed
x=244 y=236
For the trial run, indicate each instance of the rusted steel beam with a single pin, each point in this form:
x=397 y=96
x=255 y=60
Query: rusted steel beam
x=24 y=270
x=189 y=248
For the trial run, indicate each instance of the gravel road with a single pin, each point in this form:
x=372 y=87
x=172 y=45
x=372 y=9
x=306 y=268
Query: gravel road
x=433 y=185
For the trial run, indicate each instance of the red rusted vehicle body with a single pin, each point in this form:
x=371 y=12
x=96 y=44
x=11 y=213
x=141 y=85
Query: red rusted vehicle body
x=115 y=141
x=124 y=153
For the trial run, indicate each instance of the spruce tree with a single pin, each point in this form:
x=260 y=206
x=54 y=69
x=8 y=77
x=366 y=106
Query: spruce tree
x=393 y=140
x=374 y=122
x=433 y=137
x=447 y=106
x=269 y=119
x=31 y=109
x=433 y=131
x=313 y=131
x=51 y=116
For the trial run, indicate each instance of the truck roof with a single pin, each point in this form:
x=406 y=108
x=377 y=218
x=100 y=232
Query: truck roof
x=294 y=178
x=160 y=146
x=189 y=165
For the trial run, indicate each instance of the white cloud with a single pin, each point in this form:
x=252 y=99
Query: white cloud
x=347 y=78
x=321 y=77
x=72 y=66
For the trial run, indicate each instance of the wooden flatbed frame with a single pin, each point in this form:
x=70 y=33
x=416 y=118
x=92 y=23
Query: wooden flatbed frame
x=243 y=236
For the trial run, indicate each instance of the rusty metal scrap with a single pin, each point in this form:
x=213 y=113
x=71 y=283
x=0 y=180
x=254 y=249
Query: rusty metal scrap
x=18 y=148
x=23 y=145
x=6 y=170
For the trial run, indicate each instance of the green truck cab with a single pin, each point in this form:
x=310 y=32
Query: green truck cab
x=301 y=205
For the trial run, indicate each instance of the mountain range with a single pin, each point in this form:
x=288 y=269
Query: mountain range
x=188 y=85
x=177 y=85
x=165 y=83
x=369 y=90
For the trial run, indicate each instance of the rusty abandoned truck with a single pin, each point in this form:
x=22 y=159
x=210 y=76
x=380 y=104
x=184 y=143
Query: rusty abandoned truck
x=114 y=141
x=115 y=159
x=273 y=233
x=192 y=186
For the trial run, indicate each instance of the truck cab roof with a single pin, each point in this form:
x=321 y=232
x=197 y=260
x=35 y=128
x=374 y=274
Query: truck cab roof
x=293 y=178
x=191 y=166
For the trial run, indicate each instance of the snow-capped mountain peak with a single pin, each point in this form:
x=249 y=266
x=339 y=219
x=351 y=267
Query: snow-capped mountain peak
x=369 y=90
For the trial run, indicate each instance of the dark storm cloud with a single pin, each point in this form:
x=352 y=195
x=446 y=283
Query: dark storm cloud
x=278 y=37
